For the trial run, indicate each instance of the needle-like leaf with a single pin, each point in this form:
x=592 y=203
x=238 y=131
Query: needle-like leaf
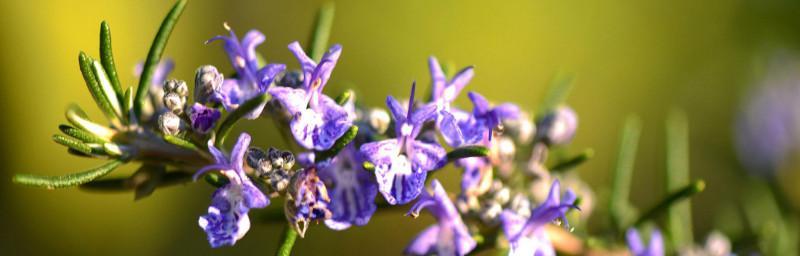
x=322 y=31
x=154 y=55
x=107 y=58
x=69 y=180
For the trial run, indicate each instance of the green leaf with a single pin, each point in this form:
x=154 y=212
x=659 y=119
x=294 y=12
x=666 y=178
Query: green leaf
x=73 y=144
x=96 y=89
x=671 y=199
x=107 y=58
x=127 y=103
x=154 y=55
x=180 y=142
x=69 y=180
x=82 y=135
x=287 y=241
x=560 y=87
x=679 y=219
x=344 y=97
x=108 y=90
x=620 y=210
x=468 y=151
x=346 y=138
x=322 y=31
x=573 y=162
x=230 y=120
x=77 y=117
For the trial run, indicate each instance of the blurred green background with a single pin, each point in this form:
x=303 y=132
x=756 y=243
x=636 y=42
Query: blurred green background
x=642 y=57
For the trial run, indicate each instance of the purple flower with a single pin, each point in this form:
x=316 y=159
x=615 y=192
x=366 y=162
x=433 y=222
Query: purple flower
x=308 y=200
x=317 y=121
x=485 y=119
x=444 y=93
x=527 y=236
x=477 y=176
x=354 y=191
x=401 y=164
x=449 y=236
x=767 y=129
x=203 y=118
x=251 y=80
x=227 y=220
x=655 y=247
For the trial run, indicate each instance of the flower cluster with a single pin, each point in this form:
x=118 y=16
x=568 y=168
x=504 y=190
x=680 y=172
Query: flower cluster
x=350 y=158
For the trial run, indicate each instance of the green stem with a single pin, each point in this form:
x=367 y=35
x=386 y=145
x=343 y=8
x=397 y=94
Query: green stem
x=287 y=241
x=677 y=196
x=154 y=55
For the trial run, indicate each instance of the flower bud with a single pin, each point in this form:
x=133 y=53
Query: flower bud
x=558 y=127
x=207 y=81
x=288 y=160
x=176 y=86
x=379 y=120
x=490 y=211
x=169 y=123
x=278 y=180
x=257 y=159
x=174 y=102
x=521 y=129
x=292 y=78
x=275 y=157
x=520 y=205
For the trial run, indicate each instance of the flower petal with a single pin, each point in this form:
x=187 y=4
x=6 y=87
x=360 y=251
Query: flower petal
x=459 y=81
x=398 y=111
x=423 y=114
x=397 y=182
x=327 y=63
x=250 y=41
x=438 y=80
x=380 y=152
x=294 y=100
x=239 y=149
x=267 y=74
x=308 y=65
x=426 y=156
x=507 y=111
x=424 y=242
x=480 y=103
x=450 y=130
x=320 y=128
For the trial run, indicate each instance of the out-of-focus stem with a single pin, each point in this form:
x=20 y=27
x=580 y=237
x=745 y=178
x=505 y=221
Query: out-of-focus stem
x=287 y=241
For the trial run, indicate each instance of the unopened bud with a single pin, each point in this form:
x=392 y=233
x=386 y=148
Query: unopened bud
x=174 y=102
x=288 y=160
x=169 y=123
x=275 y=157
x=558 y=127
x=257 y=159
x=293 y=79
x=379 y=120
x=207 y=81
x=176 y=86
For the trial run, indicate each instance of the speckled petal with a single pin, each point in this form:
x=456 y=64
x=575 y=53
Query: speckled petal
x=426 y=156
x=294 y=100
